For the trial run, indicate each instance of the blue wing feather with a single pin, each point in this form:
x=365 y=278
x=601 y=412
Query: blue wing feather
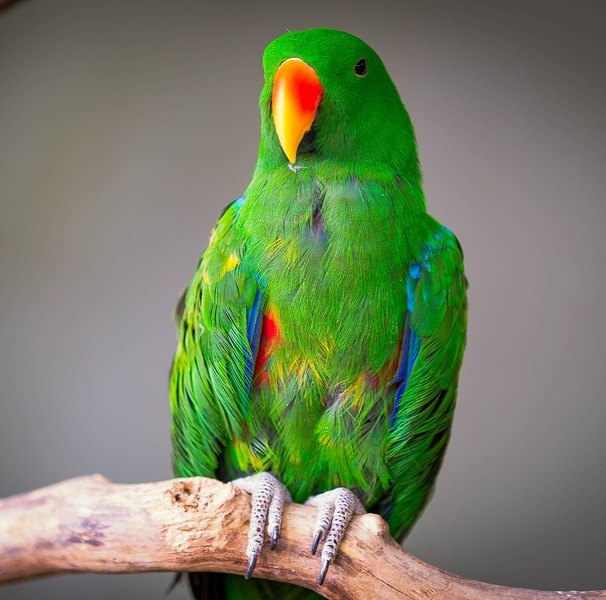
x=411 y=345
x=254 y=324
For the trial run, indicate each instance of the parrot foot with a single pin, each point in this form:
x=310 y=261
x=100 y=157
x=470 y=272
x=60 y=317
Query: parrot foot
x=267 y=506
x=336 y=508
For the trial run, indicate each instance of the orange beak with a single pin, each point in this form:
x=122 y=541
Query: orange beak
x=294 y=103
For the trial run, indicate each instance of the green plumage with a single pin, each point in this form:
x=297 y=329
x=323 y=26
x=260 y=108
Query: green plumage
x=365 y=291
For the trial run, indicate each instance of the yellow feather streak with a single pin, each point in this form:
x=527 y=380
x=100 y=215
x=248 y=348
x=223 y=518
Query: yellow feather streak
x=354 y=394
x=231 y=262
x=274 y=248
x=245 y=456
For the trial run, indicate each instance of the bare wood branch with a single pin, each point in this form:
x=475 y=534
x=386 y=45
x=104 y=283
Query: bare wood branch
x=89 y=524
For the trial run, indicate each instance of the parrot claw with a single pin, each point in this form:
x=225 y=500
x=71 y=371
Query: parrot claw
x=336 y=509
x=267 y=506
x=323 y=571
x=317 y=539
x=252 y=563
x=274 y=538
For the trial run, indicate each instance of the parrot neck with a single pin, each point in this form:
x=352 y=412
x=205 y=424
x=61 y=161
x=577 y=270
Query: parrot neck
x=272 y=161
x=309 y=178
x=323 y=208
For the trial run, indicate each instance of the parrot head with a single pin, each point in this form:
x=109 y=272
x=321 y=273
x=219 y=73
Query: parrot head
x=328 y=97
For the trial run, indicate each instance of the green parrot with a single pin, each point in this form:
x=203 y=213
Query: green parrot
x=320 y=341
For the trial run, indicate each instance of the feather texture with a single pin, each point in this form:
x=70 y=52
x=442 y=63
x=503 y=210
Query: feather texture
x=323 y=332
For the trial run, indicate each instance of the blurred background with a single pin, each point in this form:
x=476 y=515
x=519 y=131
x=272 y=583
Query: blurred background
x=126 y=126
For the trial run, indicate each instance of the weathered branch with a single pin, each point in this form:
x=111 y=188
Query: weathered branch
x=90 y=524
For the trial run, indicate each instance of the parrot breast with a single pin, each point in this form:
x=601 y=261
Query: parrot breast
x=332 y=259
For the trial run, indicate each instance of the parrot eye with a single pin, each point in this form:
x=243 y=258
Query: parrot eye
x=361 y=68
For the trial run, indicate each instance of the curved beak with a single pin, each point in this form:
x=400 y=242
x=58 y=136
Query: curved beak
x=296 y=94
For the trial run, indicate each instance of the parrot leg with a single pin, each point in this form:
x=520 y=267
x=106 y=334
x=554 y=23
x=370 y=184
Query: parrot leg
x=267 y=506
x=335 y=510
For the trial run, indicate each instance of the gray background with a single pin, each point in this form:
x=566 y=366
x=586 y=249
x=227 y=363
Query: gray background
x=125 y=127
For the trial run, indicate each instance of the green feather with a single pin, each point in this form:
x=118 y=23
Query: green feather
x=325 y=414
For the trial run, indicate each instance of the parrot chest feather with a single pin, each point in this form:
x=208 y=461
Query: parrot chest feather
x=333 y=273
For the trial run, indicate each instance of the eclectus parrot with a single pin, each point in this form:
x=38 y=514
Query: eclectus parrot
x=321 y=338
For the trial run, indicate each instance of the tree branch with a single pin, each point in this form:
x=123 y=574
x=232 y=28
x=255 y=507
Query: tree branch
x=90 y=524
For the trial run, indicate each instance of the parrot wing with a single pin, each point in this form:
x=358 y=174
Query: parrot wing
x=211 y=377
x=426 y=379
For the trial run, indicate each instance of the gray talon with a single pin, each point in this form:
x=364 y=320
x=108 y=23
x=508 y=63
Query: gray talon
x=323 y=571
x=317 y=540
x=252 y=563
x=274 y=538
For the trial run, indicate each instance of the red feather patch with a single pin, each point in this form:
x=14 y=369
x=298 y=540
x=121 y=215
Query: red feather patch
x=271 y=337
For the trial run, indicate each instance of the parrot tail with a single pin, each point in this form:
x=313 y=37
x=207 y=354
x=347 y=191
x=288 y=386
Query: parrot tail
x=207 y=586
x=218 y=586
